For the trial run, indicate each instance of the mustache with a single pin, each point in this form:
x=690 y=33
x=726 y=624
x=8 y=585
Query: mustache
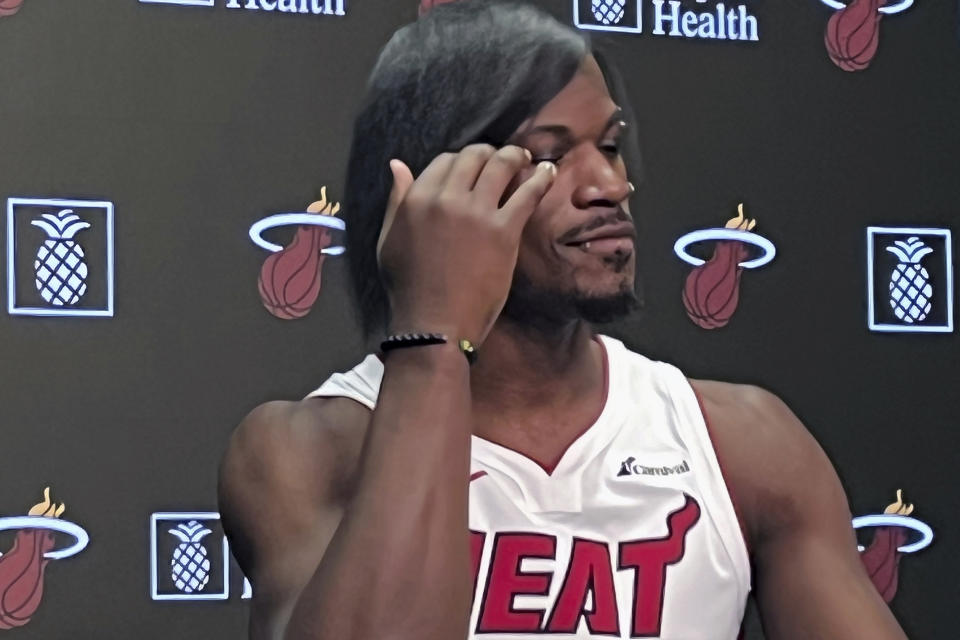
x=618 y=216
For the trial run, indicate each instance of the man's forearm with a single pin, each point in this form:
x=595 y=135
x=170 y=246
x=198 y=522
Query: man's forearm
x=398 y=565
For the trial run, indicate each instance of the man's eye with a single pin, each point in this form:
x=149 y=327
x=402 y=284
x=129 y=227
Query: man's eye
x=612 y=149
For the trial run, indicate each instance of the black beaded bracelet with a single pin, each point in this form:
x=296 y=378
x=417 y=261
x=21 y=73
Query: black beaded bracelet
x=401 y=340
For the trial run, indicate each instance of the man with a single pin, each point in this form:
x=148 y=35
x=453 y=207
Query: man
x=561 y=484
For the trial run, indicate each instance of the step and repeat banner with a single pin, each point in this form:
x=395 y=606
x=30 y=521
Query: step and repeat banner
x=172 y=172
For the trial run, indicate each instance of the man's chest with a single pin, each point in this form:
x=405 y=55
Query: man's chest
x=601 y=555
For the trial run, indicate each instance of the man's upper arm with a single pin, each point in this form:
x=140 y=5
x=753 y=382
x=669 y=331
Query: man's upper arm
x=280 y=500
x=810 y=581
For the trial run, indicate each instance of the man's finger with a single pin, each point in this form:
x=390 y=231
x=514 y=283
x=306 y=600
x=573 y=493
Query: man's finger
x=521 y=205
x=468 y=165
x=402 y=181
x=499 y=171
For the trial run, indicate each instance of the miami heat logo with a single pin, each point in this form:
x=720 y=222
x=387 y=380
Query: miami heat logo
x=853 y=32
x=426 y=5
x=712 y=289
x=882 y=557
x=22 y=568
x=290 y=279
x=9 y=7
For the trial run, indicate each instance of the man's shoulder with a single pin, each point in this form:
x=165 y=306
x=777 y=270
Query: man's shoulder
x=298 y=422
x=768 y=455
x=744 y=404
x=287 y=461
x=312 y=438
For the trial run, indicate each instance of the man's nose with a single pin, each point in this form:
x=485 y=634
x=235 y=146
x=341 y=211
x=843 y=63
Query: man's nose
x=597 y=179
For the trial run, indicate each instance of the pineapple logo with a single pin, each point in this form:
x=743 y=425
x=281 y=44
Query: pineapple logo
x=910 y=279
x=189 y=556
x=190 y=566
x=607 y=12
x=910 y=289
x=622 y=16
x=49 y=273
x=61 y=272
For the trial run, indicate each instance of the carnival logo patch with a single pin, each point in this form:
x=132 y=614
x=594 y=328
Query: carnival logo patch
x=630 y=467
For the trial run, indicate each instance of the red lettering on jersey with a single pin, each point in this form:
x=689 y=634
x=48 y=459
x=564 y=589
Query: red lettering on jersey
x=590 y=570
x=476 y=551
x=505 y=581
x=650 y=559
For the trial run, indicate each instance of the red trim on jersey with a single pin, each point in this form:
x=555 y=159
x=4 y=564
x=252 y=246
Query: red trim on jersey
x=477 y=474
x=723 y=473
x=549 y=467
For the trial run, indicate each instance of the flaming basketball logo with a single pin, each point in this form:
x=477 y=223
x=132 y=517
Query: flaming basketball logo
x=853 y=32
x=712 y=290
x=9 y=7
x=290 y=279
x=426 y=5
x=882 y=557
x=22 y=567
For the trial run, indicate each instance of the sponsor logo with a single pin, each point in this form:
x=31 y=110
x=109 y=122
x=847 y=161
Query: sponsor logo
x=711 y=292
x=290 y=278
x=909 y=279
x=609 y=15
x=189 y=557
x=629 y=467
x=22 y=567
x=59 y=257
x=308 y=7
x=669 y=18
x=891 y=531
x=853 y=31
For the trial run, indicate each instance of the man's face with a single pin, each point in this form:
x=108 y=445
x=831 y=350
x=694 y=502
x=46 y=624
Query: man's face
x=577 y=252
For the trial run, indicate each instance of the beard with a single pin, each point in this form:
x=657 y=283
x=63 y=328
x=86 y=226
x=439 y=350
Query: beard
x=532 y=304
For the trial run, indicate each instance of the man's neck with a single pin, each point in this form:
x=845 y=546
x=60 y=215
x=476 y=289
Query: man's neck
x=523 y=372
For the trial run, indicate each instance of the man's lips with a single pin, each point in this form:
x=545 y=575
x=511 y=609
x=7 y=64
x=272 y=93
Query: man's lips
x=622 y=244
x=620 y=229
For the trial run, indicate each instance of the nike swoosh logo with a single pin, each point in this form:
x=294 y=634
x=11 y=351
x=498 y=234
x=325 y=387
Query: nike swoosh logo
x=477 y=474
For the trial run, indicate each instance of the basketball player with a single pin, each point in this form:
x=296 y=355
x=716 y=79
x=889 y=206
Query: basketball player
x=561 y=485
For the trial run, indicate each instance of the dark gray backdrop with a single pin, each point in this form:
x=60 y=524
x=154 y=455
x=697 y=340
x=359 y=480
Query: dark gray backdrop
x=196 y=122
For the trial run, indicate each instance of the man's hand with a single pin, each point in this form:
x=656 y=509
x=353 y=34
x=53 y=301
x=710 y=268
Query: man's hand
x=447 y=249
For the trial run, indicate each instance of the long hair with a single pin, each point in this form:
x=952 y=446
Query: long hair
x=466 y=72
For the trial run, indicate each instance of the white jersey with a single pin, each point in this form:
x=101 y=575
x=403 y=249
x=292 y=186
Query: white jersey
x=632 y=534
